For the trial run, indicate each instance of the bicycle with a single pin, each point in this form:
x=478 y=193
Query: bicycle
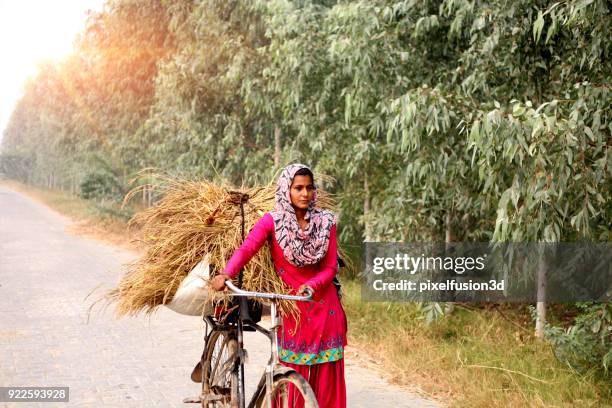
x=224 y=356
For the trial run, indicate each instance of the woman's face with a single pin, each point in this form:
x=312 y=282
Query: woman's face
x=301 y=192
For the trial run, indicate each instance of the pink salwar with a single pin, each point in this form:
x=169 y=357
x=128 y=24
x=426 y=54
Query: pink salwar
x=327 y=382
x=314 y=343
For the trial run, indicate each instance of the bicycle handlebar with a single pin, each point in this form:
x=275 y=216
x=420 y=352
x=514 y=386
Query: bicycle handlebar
x=275 y=296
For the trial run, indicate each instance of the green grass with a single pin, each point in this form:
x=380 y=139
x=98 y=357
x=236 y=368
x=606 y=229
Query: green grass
x=472 y=358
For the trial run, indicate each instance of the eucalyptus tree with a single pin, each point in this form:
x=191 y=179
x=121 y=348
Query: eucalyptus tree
x=200 y=124
x=30 y=135
x=547 y=150
x=528 y=92
x=94 y=102
x=451 y=109
x=346 y=79
x=121 y=48
x=308 y=86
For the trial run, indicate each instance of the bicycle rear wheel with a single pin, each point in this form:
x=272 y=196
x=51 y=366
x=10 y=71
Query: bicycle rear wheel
x=289 y=390
x=219 y=371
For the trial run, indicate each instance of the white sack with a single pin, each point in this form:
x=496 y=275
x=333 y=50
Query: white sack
x=192 y=293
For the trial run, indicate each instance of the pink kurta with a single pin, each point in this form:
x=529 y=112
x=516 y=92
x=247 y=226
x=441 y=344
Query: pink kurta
x=320 y=334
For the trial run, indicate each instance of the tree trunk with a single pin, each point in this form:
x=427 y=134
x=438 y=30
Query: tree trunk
x=366 y=208
x=541 y=296
x=277 y=146
x=448 y=233
x=366 y=224
x=124 y=180
x=448 y=237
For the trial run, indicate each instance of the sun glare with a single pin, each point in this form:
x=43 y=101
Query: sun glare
x=32 y=31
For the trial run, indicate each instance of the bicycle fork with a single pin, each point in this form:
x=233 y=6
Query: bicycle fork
x=240 y=361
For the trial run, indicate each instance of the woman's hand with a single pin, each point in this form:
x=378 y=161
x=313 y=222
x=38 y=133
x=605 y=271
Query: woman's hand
x=305 y=290
x=218 y=282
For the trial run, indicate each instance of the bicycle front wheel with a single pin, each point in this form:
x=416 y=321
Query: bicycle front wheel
x=290 y=390
x=219 y=373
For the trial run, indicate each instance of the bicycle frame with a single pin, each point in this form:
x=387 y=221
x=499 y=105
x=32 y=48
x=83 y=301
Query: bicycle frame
x=273 y=367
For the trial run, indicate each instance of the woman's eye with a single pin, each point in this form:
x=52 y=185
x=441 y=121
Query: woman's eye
x=301 y=188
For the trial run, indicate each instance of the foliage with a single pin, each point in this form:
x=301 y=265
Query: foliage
x=587 y=343
x=199 y=124
x=16 y=165
x=96 y=100
x=474 y=358
x=99 y=184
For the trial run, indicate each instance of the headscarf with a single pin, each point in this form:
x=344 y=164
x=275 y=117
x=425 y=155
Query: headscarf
x=300 y=247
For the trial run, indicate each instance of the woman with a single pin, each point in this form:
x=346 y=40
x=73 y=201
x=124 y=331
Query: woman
x=304 y=250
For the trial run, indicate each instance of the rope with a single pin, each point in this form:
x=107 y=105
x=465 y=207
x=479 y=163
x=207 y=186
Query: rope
x=242 y=201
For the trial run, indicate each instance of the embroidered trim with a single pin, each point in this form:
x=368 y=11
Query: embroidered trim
x=322 y=345
x=324 y=356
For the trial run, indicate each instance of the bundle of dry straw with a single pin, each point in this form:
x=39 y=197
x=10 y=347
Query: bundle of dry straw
x=192 y=219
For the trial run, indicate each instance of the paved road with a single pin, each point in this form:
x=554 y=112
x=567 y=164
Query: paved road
x=47 y=340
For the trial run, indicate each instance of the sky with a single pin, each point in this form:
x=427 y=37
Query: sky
x=31 y=31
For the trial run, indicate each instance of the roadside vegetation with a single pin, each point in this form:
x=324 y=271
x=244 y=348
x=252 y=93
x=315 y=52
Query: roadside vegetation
x=478 y=357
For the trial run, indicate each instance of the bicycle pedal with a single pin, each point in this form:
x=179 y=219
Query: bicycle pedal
x=192 y=400
x=212 y=397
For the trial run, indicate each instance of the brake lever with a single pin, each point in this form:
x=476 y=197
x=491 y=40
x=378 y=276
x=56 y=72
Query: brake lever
x=308 y=292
